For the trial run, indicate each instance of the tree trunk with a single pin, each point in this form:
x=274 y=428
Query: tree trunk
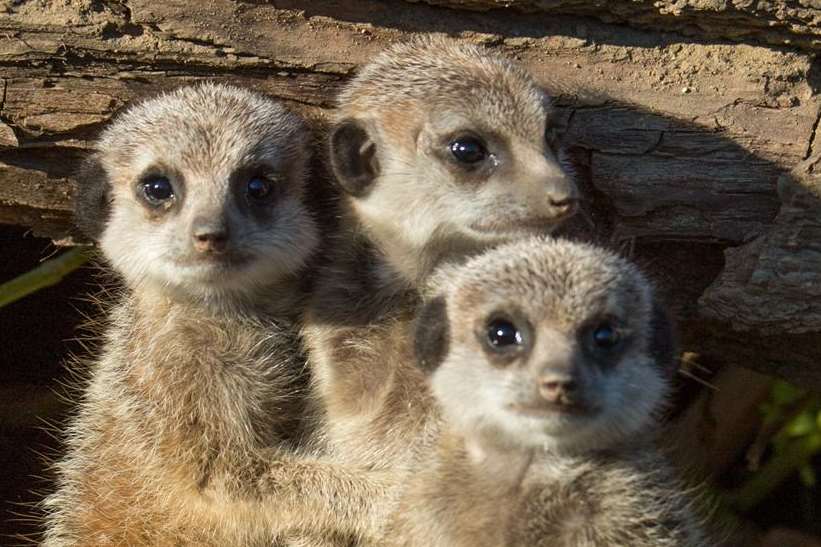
x=698 y=154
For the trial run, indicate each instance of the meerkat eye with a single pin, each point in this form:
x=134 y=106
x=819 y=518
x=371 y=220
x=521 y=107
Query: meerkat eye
x=157 y=189
x=259 y=188
x=468 y=150
x=605 y=336
x=503 y=335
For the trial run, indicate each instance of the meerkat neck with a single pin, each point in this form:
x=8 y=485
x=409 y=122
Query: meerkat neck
x=280 y=299
x=402 y=263
x=503 y=465
x=410 y=262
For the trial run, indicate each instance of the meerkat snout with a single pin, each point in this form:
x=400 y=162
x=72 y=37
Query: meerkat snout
x=544 y=182
x=210 y=235
x=561 y=376
x=563 y=204
x=558 y=387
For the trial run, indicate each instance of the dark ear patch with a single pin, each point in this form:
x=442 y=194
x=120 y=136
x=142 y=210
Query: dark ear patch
x=431 y=335
x=92 y=204
x=663 y=347
x=353 y=157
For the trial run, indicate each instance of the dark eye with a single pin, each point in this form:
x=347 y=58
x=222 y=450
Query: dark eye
x=503 y=335
x=259 y=188
x=605 y=336
x=157 y=189
x=468 y=150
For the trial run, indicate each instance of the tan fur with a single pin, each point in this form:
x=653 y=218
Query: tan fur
x=185 y=433
x=413 y=99
x=420 y=210
x=368 y=292
x=543 y=477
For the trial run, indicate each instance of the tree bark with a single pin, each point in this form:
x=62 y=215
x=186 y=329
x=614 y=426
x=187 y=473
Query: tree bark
x=689 y=148
x=795 y=23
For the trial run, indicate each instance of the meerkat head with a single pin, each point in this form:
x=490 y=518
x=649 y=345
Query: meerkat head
x=546 y=344
x=201 y=190
x=439 y=141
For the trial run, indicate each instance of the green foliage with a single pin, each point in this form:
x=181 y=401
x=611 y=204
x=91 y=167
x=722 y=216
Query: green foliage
x=46 y=274
x=797 y=440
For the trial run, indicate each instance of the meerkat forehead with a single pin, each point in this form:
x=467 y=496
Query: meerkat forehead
x=442 y=75
x=563 y=281
x=202 y=129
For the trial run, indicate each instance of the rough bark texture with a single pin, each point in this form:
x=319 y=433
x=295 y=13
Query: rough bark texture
x=778 y=22
x=689 y=147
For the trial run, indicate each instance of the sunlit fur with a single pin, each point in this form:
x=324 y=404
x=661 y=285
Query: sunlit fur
x=420 y=211
x=414 y=98
x=560 y=287
x=200 y=138
x=496 y=477
x=416 y=214
x=187 y=427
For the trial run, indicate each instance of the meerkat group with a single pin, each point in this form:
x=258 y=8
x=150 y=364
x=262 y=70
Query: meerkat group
x=434 y=369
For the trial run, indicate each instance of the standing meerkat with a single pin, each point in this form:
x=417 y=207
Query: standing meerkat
x=184 y=433
x=549 y=361
x=441 y=149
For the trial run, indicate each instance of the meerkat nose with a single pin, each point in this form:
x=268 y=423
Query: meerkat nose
x=210 y=236
x=557 y=387
x=563 y=205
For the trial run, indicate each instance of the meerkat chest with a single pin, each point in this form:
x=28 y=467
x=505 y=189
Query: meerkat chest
x=578 y=502
x=555 y=506
x=190 y=373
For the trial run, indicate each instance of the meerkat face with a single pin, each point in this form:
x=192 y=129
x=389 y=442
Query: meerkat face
x=549 y=344
x=201 y=190
x=440 y=140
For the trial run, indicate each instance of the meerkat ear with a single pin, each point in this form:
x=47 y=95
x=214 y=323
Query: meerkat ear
x=663 y=346
x=431 y=334
x=353 y=157
x=92 y=204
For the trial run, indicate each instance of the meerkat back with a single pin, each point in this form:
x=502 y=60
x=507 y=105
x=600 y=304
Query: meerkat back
x=184 y=432
x=548 y=360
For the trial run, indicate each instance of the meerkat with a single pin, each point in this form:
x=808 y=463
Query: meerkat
x=548 y=361
x=442 y=149
x=185 y=433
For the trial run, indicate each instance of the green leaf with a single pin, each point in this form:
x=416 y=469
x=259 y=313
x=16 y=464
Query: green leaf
x=803 y=424
x=46 y=274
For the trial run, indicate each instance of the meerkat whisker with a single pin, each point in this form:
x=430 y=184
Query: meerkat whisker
x=687 y=374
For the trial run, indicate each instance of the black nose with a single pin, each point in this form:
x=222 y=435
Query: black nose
x=558 y=389
x=210 y=237
x=564 y=206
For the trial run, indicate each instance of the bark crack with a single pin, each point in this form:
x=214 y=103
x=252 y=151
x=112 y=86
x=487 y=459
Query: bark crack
x=5 y=86
x=812 y=135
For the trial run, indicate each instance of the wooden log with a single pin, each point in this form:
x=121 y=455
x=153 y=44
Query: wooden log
x=681 y=141
x=779 y=22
